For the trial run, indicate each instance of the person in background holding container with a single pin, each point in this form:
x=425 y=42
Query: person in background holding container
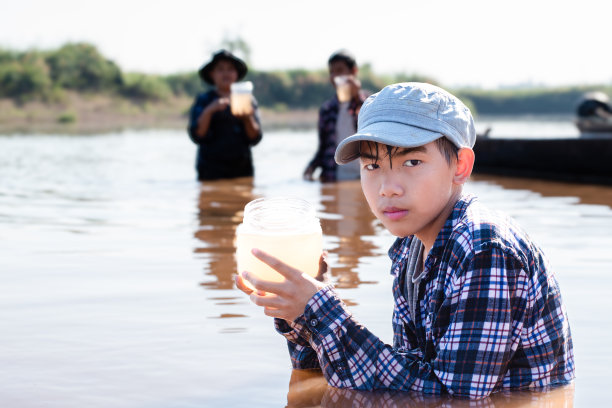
x=221 y=124
x=337 y=119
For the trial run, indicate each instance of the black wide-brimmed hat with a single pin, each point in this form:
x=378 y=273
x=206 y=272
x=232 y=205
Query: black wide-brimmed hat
x=218 y=56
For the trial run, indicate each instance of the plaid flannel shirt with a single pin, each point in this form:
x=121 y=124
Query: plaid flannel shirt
x=490 y=318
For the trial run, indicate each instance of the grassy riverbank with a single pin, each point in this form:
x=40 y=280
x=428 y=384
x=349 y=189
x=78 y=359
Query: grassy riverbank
x=76 y=89
x=82 y=113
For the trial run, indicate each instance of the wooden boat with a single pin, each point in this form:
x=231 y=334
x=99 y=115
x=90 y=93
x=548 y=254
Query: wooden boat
x=581 y=159
x=584 y=159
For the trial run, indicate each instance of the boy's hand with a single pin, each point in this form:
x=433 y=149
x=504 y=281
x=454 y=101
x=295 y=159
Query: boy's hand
x=308 y=173
x=355 y=84
x=286 y=300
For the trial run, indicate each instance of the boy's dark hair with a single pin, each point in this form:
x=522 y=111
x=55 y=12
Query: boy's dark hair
x=343 y=56
x=448 y=149
x=445 y=147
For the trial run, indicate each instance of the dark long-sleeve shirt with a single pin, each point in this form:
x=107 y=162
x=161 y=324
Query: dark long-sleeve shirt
x=225 y=150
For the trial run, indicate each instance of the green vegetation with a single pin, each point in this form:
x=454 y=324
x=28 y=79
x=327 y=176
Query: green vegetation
x=81 y=67
x=48 y=76
x=67 y=117
x=145 y=87
x=24 y=76
x=302 y=89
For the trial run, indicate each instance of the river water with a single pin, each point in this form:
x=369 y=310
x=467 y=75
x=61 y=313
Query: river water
x=116 y=273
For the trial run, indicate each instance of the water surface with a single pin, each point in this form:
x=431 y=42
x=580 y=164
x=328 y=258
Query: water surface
x=116 y=270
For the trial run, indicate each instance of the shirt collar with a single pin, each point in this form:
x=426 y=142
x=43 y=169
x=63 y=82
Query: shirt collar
x=399 y=250
x=451 y=222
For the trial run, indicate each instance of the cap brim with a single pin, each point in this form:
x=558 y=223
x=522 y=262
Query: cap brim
x=388 y=133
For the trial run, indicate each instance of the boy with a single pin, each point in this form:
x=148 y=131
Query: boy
x=476 y=308
x=337 y=120
x=224 y=140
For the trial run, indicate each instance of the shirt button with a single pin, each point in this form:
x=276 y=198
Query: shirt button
x=314 y=322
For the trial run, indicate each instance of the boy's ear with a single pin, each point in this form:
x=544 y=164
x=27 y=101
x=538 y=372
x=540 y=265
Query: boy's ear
x=465 y=165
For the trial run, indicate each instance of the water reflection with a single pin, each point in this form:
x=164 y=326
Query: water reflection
x=585 y=193
x=220 y=209
x=110 y=317
x=347 y=220
x=308 y=388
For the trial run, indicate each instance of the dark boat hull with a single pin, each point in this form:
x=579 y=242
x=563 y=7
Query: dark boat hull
x=575 y=160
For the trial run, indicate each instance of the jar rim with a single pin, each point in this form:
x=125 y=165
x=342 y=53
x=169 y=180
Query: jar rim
x=280 y=213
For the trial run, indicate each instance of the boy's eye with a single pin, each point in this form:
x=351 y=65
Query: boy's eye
x=412 y=163
x=371 y=166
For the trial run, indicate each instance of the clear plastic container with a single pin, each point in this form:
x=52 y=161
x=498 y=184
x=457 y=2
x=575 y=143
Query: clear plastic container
x=241 y=98
x=343 y=88
x=284 y=227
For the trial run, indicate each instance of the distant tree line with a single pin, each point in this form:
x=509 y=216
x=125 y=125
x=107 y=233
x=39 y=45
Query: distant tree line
x=46 y=75
x=562 y=100
x=43 y=75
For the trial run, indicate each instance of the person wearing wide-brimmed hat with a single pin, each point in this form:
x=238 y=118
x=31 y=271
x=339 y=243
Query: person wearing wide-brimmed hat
x=224 y=139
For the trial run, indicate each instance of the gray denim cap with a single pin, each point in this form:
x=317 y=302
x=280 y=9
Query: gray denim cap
x=409 y=114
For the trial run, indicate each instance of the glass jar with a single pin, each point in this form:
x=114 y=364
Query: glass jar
x=284 y=227
x=241 y=99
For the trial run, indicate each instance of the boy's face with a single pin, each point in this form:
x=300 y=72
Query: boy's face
x=339 y=68
x=411 y=191
x=224 y=74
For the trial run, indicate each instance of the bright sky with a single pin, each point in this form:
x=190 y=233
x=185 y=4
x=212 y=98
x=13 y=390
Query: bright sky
x=458 y=42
